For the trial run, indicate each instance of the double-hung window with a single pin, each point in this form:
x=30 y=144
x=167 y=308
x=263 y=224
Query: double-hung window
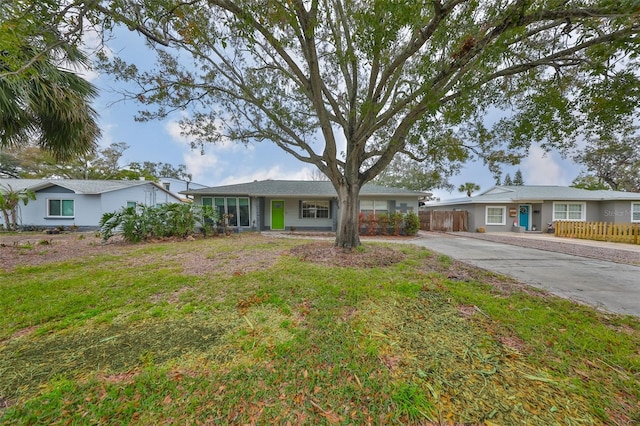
x=60 y=208
x=569 y=211
x=314 y=209
x=376 y=207
x=635 y=212
x=495 y=215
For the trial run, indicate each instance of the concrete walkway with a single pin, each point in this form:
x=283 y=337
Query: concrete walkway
x=609 y=286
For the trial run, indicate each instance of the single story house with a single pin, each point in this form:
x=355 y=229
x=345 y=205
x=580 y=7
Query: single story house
x=81 y=203
x=532 y=208
x=301 y=205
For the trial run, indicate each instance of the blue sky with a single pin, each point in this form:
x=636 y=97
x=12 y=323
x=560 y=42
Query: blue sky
x=160 y=141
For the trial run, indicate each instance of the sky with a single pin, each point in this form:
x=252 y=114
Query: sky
x=230 y=163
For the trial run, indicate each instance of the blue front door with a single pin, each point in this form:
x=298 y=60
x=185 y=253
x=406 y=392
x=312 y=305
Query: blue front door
x=524 y=217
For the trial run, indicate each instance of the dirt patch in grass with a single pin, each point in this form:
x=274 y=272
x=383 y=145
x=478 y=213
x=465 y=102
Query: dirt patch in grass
x=32 y=249
x=370 y=256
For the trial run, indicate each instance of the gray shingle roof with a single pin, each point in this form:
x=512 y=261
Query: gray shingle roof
x=293 y=188
x=502 y=194
x=75 y=185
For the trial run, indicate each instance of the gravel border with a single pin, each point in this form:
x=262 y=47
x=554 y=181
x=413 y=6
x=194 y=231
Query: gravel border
x=594 y=252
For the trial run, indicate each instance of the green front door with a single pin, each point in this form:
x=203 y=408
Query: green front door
x=277 y=214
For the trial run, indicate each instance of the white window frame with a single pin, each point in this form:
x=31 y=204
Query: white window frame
x=635 y=209
x=583 y=211
x=313 y=209
x=224 y=208
x=503 y=209
x=377 y=206
x=60 y=216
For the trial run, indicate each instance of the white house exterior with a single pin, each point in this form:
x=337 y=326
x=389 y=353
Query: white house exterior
x=176 y=186
x=81 y=203
x=301 y=205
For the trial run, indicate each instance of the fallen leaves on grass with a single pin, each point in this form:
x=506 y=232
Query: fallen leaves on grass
x=369 y=256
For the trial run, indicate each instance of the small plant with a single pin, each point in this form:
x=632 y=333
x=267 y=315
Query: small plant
x=412 y=402
x=396 y=222
x=224 y=224
x=411 y=223
x=207 y=216
x=384 y=223
x=360 y=222
x=372 y=224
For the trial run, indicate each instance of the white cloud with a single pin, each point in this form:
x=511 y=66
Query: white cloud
x=107 y=135
x=274 y=172
x=201 y=167
x=545 y=168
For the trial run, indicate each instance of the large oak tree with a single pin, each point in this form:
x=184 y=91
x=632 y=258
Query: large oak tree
x=346 y=85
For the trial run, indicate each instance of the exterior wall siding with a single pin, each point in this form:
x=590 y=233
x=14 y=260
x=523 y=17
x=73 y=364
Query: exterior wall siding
x=88 y=208
x=260 y=210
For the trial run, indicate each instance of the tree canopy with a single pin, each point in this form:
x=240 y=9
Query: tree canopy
x=469 y=188
x=102 y=164
x=612 y=161
x=42 y=99
x=348 y=85
x=518 y=180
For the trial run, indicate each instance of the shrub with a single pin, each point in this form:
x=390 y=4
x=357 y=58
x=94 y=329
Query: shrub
x=142 y=222
x=396 y=222
x=411 y=224
x=384 y=223
x=372 y=224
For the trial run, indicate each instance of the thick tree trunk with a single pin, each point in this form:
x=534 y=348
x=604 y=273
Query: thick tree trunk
x=348 y=235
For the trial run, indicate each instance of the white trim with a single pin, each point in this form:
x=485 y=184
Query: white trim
x=313 y=210
x=486 y=215
x=60 y=216
x=583 y=211
x=635 y=207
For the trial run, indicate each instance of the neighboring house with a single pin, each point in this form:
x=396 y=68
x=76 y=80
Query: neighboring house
x=176 y=186
x=62 y=202
x=301 y=205
x=534 y=207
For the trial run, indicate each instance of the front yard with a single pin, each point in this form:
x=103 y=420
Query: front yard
x=251 y=329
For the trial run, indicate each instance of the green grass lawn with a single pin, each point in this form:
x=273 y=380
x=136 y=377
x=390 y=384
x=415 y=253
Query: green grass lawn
x=245 y=330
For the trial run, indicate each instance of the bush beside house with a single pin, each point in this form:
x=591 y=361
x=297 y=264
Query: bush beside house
x=385 y=224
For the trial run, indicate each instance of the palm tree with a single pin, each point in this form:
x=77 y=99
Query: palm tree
x=469 y=187
x=49 y=105
x=9 y=201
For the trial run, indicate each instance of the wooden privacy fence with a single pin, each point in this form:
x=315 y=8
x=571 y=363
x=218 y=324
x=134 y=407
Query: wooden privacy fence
x=443 y=221
x=602 y=231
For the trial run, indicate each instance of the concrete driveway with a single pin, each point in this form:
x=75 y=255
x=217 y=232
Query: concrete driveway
x=609 y=286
